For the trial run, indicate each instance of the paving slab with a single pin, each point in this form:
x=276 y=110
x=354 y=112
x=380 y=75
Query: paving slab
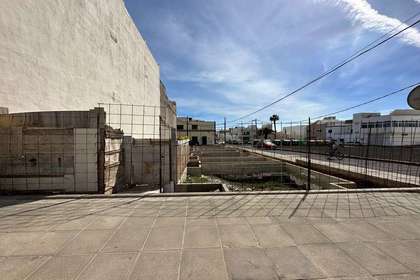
x=333 y=261
x=17 y=241
x=50 y=243
x=162 y=265
x=292 y=264
x=406 y=252
x=260 y=220
x=201 y=236
x=109 y=267
x=104 y=222
x=367 y=231
x=87 y=242
x=61 y=268
x=78 y=223
x=249 y=263
x=237 y=236
x=201 y=221
x=17 y=268
x=399 y=229
x=169 y=221
x=398 y=277
x=305 y=234
x=135 y=223
x=372 y=259
x=203 y=264
x=272 y=235
x=127 y=240
x=165 y=238
x=337 y=232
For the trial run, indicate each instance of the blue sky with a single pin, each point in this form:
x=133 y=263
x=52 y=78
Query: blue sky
x=227 y=58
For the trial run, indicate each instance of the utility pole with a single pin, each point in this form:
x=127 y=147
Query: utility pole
x=256 y=131
x=242 y=133
x=224 y=130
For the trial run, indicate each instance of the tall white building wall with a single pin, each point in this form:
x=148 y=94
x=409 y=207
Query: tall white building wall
x=71 y=55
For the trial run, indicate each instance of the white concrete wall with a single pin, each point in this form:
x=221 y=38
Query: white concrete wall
x=71 y=55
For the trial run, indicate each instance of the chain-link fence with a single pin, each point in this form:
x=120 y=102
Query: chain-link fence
x=327 y=153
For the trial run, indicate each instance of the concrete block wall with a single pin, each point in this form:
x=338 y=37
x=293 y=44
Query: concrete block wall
x=85 y=160
x=71 y=55
x=50 y=151
x=36 y=159
x=183 y=152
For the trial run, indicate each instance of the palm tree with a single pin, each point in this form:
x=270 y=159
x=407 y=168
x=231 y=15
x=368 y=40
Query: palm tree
x=274 y=118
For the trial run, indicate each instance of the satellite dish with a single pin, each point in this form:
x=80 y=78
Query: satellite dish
x=413 y=98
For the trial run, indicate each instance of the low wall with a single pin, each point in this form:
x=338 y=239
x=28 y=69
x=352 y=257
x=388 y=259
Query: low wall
x=182 y=156
x=197 y=187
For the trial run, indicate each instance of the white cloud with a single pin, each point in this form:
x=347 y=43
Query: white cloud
x=361 y=11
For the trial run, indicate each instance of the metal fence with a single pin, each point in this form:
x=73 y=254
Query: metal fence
x=336 y=153
x=149 y=143
x=50 y=151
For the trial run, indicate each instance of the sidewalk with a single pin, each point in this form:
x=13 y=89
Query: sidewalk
x=273 y=236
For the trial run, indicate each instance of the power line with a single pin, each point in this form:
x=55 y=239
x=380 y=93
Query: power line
x=335 y=68
x=358 y=105
x=366 y=102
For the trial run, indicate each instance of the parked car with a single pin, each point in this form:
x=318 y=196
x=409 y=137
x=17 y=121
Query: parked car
x=269 y=145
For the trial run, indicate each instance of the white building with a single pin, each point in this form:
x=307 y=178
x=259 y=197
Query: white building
x=340 y=131
x=198 y=131
x=241 y=135
x=295 y=131
x=400 y=128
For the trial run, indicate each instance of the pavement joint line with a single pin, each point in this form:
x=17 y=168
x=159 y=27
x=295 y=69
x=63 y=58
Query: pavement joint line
x=99 y=251
x=374 y=248
x=183 y=240
x=61 y=249
x=221 y=248
x=136 y=259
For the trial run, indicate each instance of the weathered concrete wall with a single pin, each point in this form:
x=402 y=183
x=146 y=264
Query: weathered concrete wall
x=146 y=161
x=182 y=156
x=50 y=151
x=72 y=55
x=114 y=164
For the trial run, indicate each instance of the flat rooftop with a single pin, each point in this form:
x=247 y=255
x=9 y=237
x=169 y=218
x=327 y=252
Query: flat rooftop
x=368 y=235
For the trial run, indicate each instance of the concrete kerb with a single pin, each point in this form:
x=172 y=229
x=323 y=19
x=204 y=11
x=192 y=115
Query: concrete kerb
x=157 y=195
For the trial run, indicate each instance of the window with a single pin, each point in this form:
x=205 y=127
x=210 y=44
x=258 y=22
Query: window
x=387 y=124
x=194 y=126
x=180 y=127
x=364 y=125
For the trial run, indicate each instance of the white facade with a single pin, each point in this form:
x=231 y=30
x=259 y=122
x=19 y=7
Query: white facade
x=71 y=55
x=400 y=128
x=241 y=135
x=341 y=132
x=198 y=131
x=295 y=131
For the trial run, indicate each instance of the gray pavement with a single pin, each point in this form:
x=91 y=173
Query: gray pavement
x=275 y=236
